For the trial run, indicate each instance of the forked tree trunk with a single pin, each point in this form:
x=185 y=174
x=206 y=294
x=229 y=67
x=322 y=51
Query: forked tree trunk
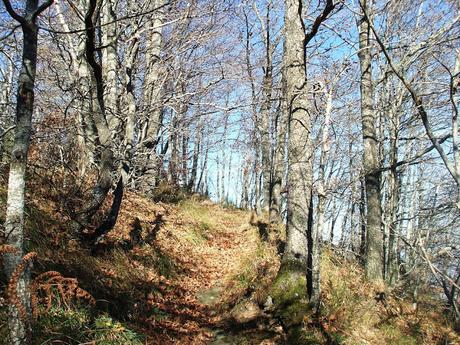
x=105 y=159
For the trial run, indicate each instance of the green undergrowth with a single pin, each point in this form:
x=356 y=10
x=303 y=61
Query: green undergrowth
x=75 y=324
x=78 y=325
x=289 y=293
x=288 y=290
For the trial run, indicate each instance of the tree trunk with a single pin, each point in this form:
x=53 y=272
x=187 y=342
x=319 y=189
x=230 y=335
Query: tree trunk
x=298 y=259
x=245 y=186
x=174 y=158
x=109 y=63
x=86 y=131
x=152 y=109
x=152 y=82
x=322 y=165
x=267 y=85
x=374 y=241
x=184 y=160
x=278 y=163
x=130 y=106
x=201 y=184
x=352 y=199
x=105 y=157
x=455 y=89
x=6 y=115
x=195 y=158
x=362 y=220
x=391 y=269
x=14 y=220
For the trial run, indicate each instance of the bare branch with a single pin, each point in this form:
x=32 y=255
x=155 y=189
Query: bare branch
x=13 y=13
x=5 y=132
x=41 y=8
x=417 y=102
x=319 y=20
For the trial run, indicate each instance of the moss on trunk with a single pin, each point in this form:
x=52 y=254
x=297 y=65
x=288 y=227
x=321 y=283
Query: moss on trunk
x=289 y=293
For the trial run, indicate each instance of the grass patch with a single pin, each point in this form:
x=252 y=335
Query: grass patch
x=394 y=335
x=255 y=273
x=78 y=325
x=195 y=236
x=199 y=213
x=69 y=326
x=348 y=298
x=249 y=269
x=165 y=265
x=110 y=332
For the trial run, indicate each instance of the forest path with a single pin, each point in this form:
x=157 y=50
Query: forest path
x=217 y=255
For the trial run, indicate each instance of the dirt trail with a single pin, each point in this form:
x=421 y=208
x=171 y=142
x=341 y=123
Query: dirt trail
x=196 y=299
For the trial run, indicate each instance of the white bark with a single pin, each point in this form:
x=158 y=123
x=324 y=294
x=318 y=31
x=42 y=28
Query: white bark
x=109 y=63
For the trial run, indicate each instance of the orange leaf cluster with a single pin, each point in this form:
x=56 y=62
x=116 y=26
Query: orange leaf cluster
x=54 y=287
x=12 y=290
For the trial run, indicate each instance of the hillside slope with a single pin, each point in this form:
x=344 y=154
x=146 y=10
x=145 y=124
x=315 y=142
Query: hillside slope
x=195 y=272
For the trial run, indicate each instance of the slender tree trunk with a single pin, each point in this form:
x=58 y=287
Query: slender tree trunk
x=455 y=98
x=152 y=110
x=109 y=63
x=278 y=163
x=195 y=158
x=6 y=115
x=86 y=131
x=333 y=220
x=204 y=168
x=14 y=220
x=322 y=165
x=184 y=161
x=174 y=159
x=229 y=178
x=152 y=82
x=362 y=220
x=256 y=171
x=352 y=200
x=130 y=105
x=224 y=147
x=86 y=136
x=245 y=187
x=374 y=241
x=393 y=200
x=255 y=202
x=267 y=86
